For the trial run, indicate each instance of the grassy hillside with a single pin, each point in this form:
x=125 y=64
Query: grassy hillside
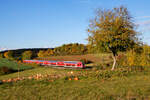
x=12 y=64
x=124 y=84
x=97 y=83
x=39 y=70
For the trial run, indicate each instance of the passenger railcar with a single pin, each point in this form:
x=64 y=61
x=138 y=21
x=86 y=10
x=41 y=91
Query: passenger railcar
x=72 y=64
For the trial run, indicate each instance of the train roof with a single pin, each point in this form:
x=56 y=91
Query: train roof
x=54 y=61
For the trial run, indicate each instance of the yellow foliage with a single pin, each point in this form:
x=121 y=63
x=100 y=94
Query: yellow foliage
x=145 y=56
x=27 y=55
x=131 y=58
x=8 y=54
x=41 y=53
x=139 y=59
x=49 y=52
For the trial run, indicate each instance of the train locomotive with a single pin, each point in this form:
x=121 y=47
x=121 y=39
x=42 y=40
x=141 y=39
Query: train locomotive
x=72 y=64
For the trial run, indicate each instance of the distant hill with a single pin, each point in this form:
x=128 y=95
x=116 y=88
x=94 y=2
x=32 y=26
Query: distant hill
x=18 y=52
x=26 y=49
x=65 y=49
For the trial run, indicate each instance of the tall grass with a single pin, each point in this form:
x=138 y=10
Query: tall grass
x=87 y=88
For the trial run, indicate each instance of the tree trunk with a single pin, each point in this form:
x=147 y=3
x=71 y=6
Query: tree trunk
x=114 y=58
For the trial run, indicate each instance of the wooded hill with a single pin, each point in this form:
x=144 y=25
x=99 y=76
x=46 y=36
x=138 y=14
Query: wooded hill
x=66 y=49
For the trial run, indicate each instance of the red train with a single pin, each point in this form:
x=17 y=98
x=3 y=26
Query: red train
x=72 y=64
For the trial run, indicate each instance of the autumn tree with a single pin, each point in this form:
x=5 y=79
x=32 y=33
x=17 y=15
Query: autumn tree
x=49 y=52
x=83 y=49
x=145 y=56
x=27 y=55
x=8 y=54
x=1 y=55
x=113 y=30
x=75 y=48
x=57 y=51
x=41 y=53
x=70 y=49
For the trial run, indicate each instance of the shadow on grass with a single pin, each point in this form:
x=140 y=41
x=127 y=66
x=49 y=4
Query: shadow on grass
x=59 y=67
x=88 y=67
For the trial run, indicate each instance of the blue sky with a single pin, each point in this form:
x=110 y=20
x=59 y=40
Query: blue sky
x=51 y=23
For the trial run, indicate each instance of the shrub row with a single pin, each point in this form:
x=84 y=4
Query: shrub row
x=119 y=72
x=6 y=70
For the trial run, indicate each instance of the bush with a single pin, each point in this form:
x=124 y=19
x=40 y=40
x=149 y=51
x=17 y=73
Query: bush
x=1 y=55
x=137 y=68
x=120 y=72
x=121 y=60
x=101 y=66
x=9 y=55
x=104 y=75
x=85 y=61
x=27 y=55
x=6 y=70
x=134 y=59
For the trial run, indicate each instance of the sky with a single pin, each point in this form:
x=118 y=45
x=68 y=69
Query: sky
x=51 y=23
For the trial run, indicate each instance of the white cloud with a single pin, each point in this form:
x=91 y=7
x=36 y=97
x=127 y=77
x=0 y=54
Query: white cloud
x=144 y=25
x=142 y=17
x=3 y=49
x=147 y=22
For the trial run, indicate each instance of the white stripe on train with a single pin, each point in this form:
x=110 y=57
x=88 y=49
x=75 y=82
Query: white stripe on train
x=73 y=64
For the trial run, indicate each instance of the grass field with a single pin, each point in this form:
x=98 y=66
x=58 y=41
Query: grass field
x=95 y=58
x=133 y=87
x=12 y=64
x=122 y=84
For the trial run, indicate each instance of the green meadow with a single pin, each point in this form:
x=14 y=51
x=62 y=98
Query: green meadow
x=13 y=64
x=124 y=83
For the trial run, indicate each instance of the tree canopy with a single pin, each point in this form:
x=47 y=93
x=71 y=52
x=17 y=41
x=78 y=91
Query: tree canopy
x=8 y=54
x=27 y=55
x=113 y=30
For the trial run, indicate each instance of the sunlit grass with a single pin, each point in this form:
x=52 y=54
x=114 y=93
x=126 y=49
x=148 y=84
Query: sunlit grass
x=134 y=87
x=93 y=84
x=12 y=64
